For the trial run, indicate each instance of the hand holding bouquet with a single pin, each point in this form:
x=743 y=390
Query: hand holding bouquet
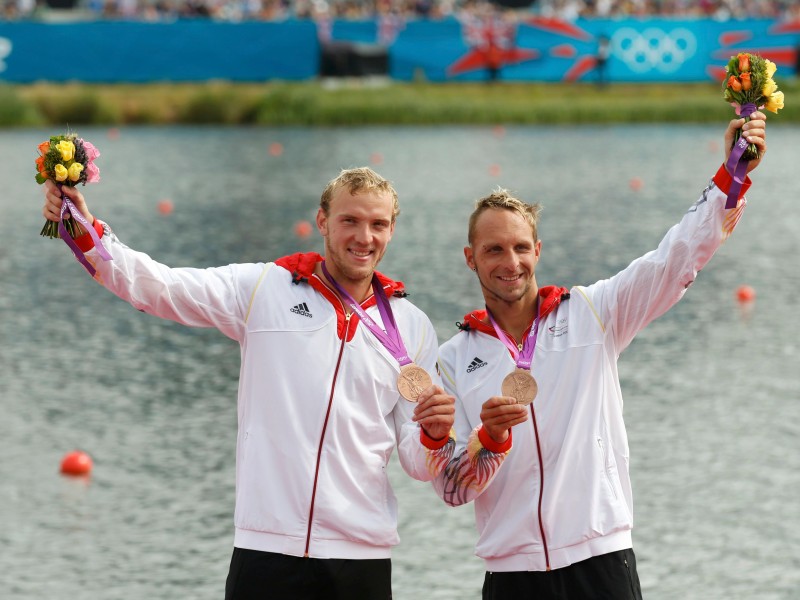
x=69 y=160
x=748 y=87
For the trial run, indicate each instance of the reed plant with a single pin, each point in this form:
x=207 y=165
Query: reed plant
x=357 y=102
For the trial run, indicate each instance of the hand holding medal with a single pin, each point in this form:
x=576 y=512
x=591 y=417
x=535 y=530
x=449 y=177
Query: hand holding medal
x=413 y=379
x=520 y=383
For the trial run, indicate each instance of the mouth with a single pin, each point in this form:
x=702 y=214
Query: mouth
x=509 y=278
x=360 y=254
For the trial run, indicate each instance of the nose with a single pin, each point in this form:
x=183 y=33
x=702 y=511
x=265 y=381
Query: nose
x=363 y=234
x=511 y=261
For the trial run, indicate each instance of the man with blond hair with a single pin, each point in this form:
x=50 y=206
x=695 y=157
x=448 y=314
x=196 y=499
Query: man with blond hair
x=328 y=345
x=539 y=364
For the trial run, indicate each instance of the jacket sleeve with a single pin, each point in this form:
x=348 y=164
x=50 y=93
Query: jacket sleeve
x=475 y=459
x=214 y=297
x=421 y=456
x=653 y=283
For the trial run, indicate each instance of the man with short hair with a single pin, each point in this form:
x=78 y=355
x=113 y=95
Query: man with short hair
x=554 y=513
x=327 y=346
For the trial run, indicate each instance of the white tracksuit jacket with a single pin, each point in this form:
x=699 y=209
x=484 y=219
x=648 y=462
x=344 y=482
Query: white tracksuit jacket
x=318 y=409
x=562 y=494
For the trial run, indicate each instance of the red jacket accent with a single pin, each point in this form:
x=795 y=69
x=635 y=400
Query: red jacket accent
x=549 y=298
x=723 y=181
x=301 y=266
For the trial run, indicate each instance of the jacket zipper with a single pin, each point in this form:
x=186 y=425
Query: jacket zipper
x=324 y=429
x=541 y=490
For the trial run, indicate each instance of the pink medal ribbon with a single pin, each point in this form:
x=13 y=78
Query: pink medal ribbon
x=391 y=337
x=735 y=165
x=523 y=357
x=67 y=205
x=520 y=383
x=413 y=379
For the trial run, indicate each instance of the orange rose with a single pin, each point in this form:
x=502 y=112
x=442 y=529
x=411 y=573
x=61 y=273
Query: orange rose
x=734 y=83
x=40 y=164
x=744 y=62
x=745 y=79
x=44 y=147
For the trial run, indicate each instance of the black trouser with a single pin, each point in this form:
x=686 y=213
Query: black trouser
x=606 y=577
x=258 y=575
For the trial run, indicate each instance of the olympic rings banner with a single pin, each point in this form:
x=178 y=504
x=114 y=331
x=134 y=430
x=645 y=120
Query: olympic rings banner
x=528 y=48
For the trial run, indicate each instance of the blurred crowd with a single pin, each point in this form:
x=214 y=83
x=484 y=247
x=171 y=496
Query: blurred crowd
x=236 y=10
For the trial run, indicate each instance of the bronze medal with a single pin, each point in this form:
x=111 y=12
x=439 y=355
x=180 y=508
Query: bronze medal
x=520 y=385
x=412 y=381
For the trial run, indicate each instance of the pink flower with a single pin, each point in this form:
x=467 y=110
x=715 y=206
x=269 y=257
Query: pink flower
x=92 y=172
x=91 y=151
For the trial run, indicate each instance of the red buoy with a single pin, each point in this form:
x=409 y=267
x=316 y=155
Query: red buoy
x=302 y=229
x=165 y=206
x=76 y=463
x=744 y=293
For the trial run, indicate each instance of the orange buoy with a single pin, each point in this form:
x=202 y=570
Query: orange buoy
x=275 y=149
x=113 y=133
x=498 y=131
x=745 y=293
x=165 y=206
x=494 y=170
x=636 y=184
x=302 y=229
x=76 y=463
x=376 y=158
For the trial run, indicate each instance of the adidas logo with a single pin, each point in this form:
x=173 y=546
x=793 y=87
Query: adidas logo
x=302 y=310
x=476 y=363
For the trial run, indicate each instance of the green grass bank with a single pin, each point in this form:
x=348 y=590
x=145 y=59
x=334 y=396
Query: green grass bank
x=367 y=103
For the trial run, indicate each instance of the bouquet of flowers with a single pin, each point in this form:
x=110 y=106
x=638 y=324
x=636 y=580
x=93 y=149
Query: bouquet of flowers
x=749 y=86
x=67 y=160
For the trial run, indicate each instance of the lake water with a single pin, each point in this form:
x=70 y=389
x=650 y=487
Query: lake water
x=711 y=388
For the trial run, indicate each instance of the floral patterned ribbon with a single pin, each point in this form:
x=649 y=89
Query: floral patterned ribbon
x=67 y=205
x=735 y=165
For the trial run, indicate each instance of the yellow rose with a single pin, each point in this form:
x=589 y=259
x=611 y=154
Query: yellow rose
x=67 y=149
x=75 y=171
x=770 y=87
x=61 y=172
x=771 y=68
x=775 y=102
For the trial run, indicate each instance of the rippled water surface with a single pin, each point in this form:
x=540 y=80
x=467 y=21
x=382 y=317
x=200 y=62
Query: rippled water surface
x=712 y=390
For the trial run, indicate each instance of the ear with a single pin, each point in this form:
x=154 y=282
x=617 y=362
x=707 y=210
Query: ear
x=322 y=222
x=538 y=250
x=469 y=257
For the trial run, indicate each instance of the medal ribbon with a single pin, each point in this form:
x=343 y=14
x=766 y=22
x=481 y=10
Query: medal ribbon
x=523 y=357
x=735 y=165
x=67 y=205
x=390 y=338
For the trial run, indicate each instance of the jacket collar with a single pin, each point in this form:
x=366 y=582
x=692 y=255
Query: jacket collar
x=549 y=298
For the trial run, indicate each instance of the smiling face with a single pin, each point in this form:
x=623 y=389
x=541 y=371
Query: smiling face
x=357 y=229
x=504 y=254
